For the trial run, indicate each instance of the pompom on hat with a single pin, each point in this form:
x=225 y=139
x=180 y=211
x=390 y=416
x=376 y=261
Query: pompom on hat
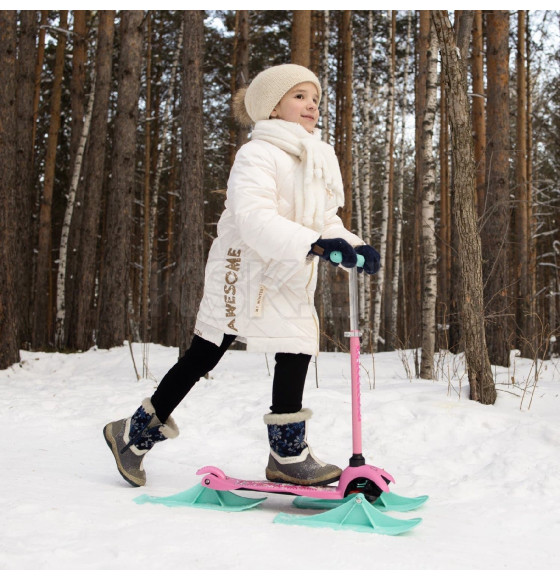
x=257 y=101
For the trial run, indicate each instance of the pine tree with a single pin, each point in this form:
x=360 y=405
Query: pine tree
x=116 y=251
x=482 y=388
x=9 y=352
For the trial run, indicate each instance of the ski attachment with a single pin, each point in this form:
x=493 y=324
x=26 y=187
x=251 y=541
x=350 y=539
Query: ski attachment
x=203 y=497
x=387 y=501
x=354 y=513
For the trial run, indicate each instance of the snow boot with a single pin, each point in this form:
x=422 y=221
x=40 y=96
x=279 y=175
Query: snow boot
x=130 y=439
x=291 y=459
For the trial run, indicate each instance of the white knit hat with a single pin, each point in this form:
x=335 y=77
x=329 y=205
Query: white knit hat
x=268 y=87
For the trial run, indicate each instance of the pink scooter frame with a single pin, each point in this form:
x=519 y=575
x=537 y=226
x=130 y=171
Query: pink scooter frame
x=357 y=471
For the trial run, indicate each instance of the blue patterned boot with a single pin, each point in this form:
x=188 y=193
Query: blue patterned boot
x=291 y=459
x=130 y=439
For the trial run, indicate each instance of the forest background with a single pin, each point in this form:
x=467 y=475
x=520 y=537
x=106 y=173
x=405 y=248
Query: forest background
x=116 y=140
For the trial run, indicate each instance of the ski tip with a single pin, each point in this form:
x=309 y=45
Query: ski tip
x=399 y=503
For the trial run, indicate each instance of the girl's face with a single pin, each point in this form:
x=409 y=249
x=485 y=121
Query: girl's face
x=299 y=105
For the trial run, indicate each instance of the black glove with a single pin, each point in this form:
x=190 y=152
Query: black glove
x=323 y=249
x=372 y=259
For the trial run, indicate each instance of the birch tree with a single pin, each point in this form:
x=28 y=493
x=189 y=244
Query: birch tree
x=343 y=144
x=385 y=207
x=429 y=251
x=81 y=325
x=365 y=204
x=60 y=337
x=42 y=304
x=414 y=295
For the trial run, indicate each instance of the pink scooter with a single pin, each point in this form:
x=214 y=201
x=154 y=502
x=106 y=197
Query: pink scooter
x=360 y=497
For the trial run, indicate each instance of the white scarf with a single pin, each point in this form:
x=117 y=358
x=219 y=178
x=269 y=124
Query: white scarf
x=318 y=176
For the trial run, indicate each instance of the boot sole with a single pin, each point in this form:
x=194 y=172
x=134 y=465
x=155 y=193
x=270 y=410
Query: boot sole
x=114 y=450
x=278 y=477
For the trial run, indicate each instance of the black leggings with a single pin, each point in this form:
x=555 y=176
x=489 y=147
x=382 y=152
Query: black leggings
x=202 y=356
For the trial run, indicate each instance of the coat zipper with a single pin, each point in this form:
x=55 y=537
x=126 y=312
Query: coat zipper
x=309 y=301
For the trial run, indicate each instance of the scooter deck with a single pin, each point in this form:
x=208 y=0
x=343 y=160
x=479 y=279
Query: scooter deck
x=215 y=478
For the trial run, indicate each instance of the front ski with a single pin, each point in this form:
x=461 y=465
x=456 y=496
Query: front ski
x=353 y=513
x=387 y=501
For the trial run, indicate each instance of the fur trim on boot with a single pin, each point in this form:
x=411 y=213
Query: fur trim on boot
x=130 y=439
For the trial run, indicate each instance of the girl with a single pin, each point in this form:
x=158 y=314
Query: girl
x=283 y=193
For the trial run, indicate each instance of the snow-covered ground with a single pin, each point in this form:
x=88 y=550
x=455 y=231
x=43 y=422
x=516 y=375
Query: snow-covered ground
x=492 y=472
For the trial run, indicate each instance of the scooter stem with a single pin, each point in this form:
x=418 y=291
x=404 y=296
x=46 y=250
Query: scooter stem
x=354 y=334
x=357 y=458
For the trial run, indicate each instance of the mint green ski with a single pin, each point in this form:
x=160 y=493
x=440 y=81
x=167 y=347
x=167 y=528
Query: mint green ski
x=353 y=513
x=387 y=501
x=203 y=497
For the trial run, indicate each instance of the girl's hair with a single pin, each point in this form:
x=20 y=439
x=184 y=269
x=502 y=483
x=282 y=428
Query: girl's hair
x=240 y=113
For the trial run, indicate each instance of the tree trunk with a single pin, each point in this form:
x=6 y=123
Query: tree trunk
x=390 y=187
x=301 y=38
x=479 y=110
x=146 y=214
x=343 y=149
x=9 y=352
x=86 y=248
x=25 y=197
x=240 y=76
x=191 y=267
x=445 y=227
x=386 y=208
x=116 y=252
x=482 y=386
x=363 y=161
x=415 y=292
x=531 y=217
x=78 y=84
x=524 y=242
x=38 y=69
x=78 y=80
x=325 y=276
x=429 y=250
x=397 y=255
x=168 y=305
x=151 y=264
x=324 y=105
x=43 y=301
x=495 y=229
x=345 y=127
x=60 y=330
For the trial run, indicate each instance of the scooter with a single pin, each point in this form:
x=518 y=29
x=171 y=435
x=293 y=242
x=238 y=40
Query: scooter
x=357 y=501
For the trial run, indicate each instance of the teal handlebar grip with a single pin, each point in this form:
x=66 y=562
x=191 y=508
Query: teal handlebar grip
x=336 y=257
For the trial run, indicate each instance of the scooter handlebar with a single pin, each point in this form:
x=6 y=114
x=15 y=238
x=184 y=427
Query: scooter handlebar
x=336 y=257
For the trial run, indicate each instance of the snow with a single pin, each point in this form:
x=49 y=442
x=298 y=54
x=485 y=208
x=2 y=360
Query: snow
x=492 y=472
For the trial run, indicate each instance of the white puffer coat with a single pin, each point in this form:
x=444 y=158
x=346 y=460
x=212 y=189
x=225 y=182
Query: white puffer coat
x=259 y=281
